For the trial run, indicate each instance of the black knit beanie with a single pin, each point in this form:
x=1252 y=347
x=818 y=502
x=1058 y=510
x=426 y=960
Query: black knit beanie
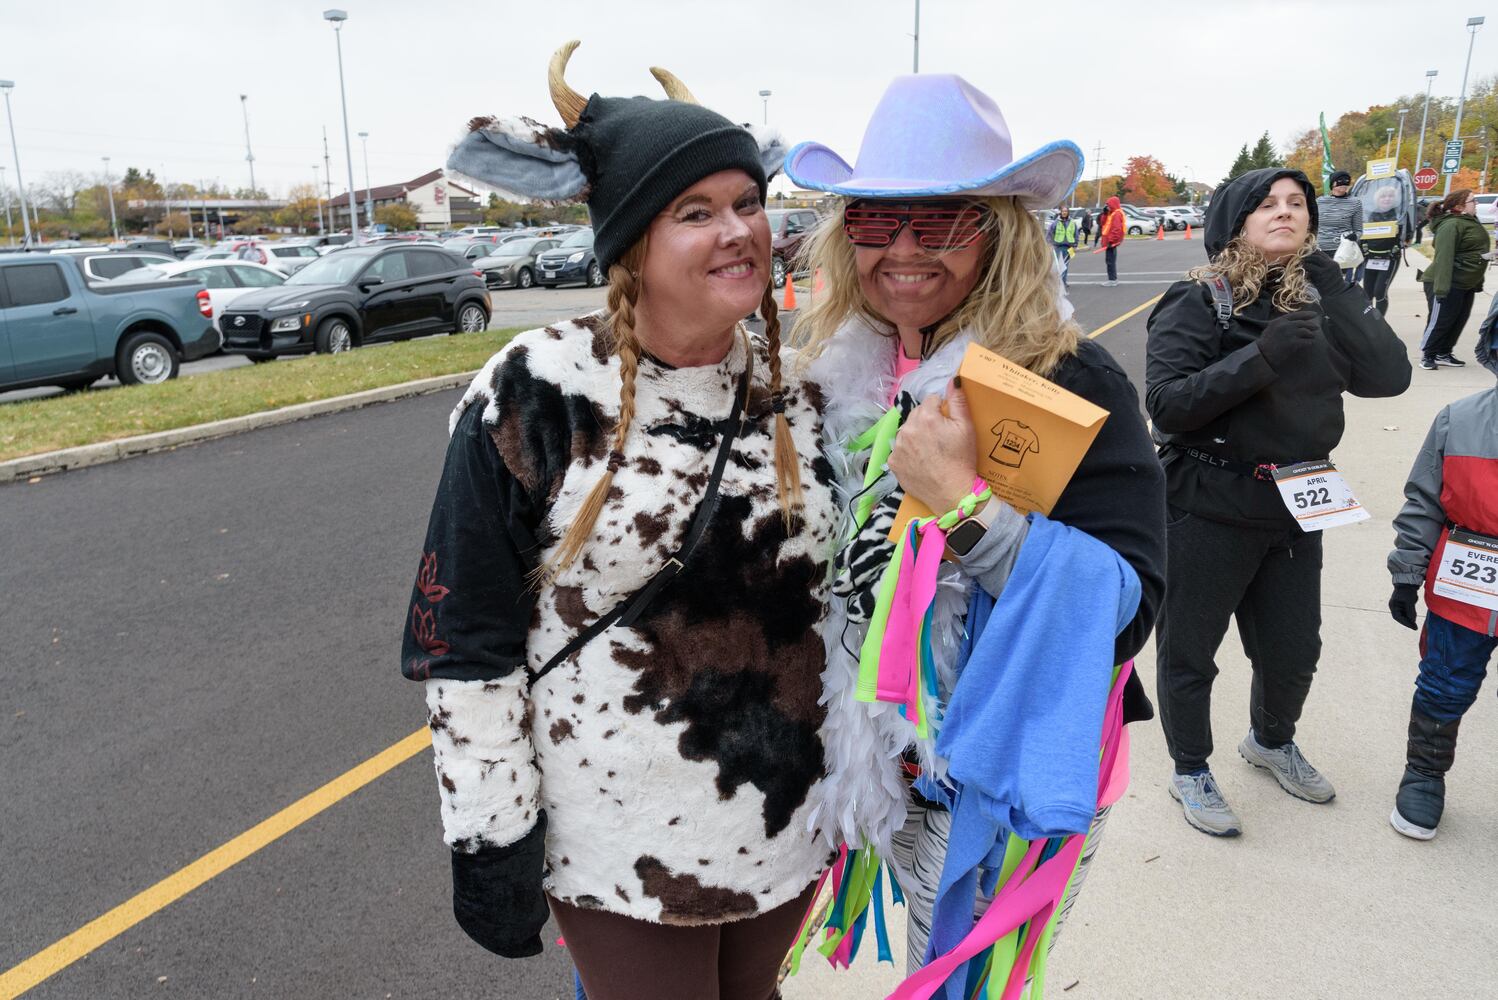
x=639 y=154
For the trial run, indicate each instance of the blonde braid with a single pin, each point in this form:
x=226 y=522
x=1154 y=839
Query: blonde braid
x=624 y=291
x=787 y=462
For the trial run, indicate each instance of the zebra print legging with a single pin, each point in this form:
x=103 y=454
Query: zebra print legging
x=920 y=847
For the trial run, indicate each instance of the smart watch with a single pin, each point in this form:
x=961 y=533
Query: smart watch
x=966 y=534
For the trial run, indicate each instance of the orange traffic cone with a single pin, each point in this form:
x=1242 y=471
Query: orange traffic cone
x=790 y=293
x=1159 y=231
x=1188 y=230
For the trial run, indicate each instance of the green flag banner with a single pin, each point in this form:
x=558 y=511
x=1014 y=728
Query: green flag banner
x=1326 y=157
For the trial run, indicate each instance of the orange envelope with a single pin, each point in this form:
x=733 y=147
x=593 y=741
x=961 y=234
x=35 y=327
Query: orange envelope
x=1031 y=433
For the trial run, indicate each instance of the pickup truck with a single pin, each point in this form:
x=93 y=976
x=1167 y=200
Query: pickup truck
x=56 y=328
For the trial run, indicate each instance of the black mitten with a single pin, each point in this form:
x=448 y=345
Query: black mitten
x=1285 y=337
x=1402 y=604
x=497 y=895
x=1325 y=273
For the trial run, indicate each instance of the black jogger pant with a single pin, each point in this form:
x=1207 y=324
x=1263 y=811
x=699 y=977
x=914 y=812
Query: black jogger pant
x=1376 y=284
x=1270 y=580
x=1447 y=318
x=1111 y=256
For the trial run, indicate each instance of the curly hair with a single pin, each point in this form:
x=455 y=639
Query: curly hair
x=1013 y=310
x=1249 y=272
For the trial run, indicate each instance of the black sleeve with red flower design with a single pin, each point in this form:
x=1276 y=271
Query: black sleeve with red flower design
x=471 y=606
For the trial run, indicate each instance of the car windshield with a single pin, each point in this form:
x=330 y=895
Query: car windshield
x=336 y=269
x=581 y=238
x=516 y=248
x=776 y=217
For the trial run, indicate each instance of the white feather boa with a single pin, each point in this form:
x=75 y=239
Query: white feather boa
x=862 y=799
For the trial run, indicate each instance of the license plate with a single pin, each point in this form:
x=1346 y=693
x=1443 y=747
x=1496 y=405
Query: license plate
x=1377 y=264
x=549 y=274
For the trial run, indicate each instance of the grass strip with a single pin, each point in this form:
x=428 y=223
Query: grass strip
x=33 y=426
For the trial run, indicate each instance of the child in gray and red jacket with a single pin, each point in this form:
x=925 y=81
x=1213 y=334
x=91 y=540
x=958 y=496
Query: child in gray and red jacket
x=1446 y=539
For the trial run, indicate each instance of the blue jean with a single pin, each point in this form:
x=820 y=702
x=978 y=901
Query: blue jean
x=1111 y=256
x=1062 y=255
x=1453 y=661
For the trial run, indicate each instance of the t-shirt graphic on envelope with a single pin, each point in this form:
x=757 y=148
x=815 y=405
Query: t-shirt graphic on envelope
x=1014 y=442
x=1014 y=410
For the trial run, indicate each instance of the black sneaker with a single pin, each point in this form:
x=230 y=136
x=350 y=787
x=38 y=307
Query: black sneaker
x=1449 y=361
x=1429 y=364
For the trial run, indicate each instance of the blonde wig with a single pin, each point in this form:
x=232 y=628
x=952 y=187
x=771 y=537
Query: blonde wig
x=1013 y=310
x=1248 y=272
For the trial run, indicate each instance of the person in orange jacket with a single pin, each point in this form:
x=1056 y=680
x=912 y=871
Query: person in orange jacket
x=1110 y=235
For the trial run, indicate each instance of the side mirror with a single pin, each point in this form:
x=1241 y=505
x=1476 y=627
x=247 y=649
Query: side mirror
x=368 y=283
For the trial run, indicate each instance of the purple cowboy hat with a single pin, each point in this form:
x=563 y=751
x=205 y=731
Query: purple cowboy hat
x=937 y=134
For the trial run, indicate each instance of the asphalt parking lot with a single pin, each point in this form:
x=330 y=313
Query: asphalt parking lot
x=512 y=307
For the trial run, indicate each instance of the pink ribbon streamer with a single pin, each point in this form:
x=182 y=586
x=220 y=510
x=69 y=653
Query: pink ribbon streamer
x=1032 y=893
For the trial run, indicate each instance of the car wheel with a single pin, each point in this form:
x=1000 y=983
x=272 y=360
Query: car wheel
x=147 y=359
x=595 y=275
x=471 y=318
x=525 y=280
x=777 y=272
x=1136 y=231
x=333 y=337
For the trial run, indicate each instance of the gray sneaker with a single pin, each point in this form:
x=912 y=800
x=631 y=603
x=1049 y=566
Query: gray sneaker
x=1290 y=768
x=1203 y=804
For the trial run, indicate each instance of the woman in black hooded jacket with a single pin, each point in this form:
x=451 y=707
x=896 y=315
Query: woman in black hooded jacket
x=1231 y=398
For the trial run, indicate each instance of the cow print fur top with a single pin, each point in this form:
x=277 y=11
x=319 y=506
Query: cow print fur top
x=678 y=759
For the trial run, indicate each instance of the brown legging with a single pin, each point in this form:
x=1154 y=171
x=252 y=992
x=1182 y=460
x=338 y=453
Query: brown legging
x=620 y=958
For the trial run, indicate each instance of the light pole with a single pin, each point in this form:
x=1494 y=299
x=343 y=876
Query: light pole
x=1399 y=142
x=322 y=230
x=249 y=157
x=6 y=192
x=368 y=195
x=1473 y=23
x=6 y=85
x=765 y=96
x=114 y=226
x=336 y=18
x=915 y=63
x=1097 y=180
x=1388 y=140
x=1430 y=76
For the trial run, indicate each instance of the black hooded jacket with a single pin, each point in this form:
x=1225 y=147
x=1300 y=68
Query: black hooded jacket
x=1213 y=391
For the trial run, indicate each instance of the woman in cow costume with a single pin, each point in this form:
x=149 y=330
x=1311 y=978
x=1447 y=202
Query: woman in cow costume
x=619 y=611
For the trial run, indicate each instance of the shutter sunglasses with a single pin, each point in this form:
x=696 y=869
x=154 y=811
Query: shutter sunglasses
x=939 y=226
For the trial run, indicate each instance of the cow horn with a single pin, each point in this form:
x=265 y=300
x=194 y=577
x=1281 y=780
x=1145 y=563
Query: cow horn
x=675 y=89
x=568 y=101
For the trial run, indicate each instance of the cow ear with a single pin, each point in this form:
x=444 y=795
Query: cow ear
x=521 y=156
x=771 y=148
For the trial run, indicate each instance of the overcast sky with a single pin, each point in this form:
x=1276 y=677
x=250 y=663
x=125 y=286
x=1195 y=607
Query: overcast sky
x=157 y=84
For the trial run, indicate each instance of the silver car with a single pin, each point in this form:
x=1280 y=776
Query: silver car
x=513 y=264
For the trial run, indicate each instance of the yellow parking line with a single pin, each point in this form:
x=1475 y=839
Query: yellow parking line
x=58 y=956
x=1128 y=315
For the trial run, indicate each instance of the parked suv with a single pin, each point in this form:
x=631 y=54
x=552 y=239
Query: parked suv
x=789 y=228
x=572 y=260
x=358 y=296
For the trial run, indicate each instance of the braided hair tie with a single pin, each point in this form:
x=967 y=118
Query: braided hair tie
x=616 y=461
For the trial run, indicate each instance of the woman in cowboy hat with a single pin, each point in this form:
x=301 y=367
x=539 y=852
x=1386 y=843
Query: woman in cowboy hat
x=935 y=248
x=656 y=784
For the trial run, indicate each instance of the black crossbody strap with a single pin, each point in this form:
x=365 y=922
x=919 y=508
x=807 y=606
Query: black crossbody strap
x=628 y=610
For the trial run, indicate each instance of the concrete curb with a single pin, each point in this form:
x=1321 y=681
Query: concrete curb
x=83 y=456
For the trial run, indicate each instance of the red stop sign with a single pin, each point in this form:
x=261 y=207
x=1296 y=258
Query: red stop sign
x=1425 y=178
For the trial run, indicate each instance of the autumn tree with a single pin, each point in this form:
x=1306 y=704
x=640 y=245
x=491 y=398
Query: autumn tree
x=1145 y=182
x=398 y=216
x=300 y=212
